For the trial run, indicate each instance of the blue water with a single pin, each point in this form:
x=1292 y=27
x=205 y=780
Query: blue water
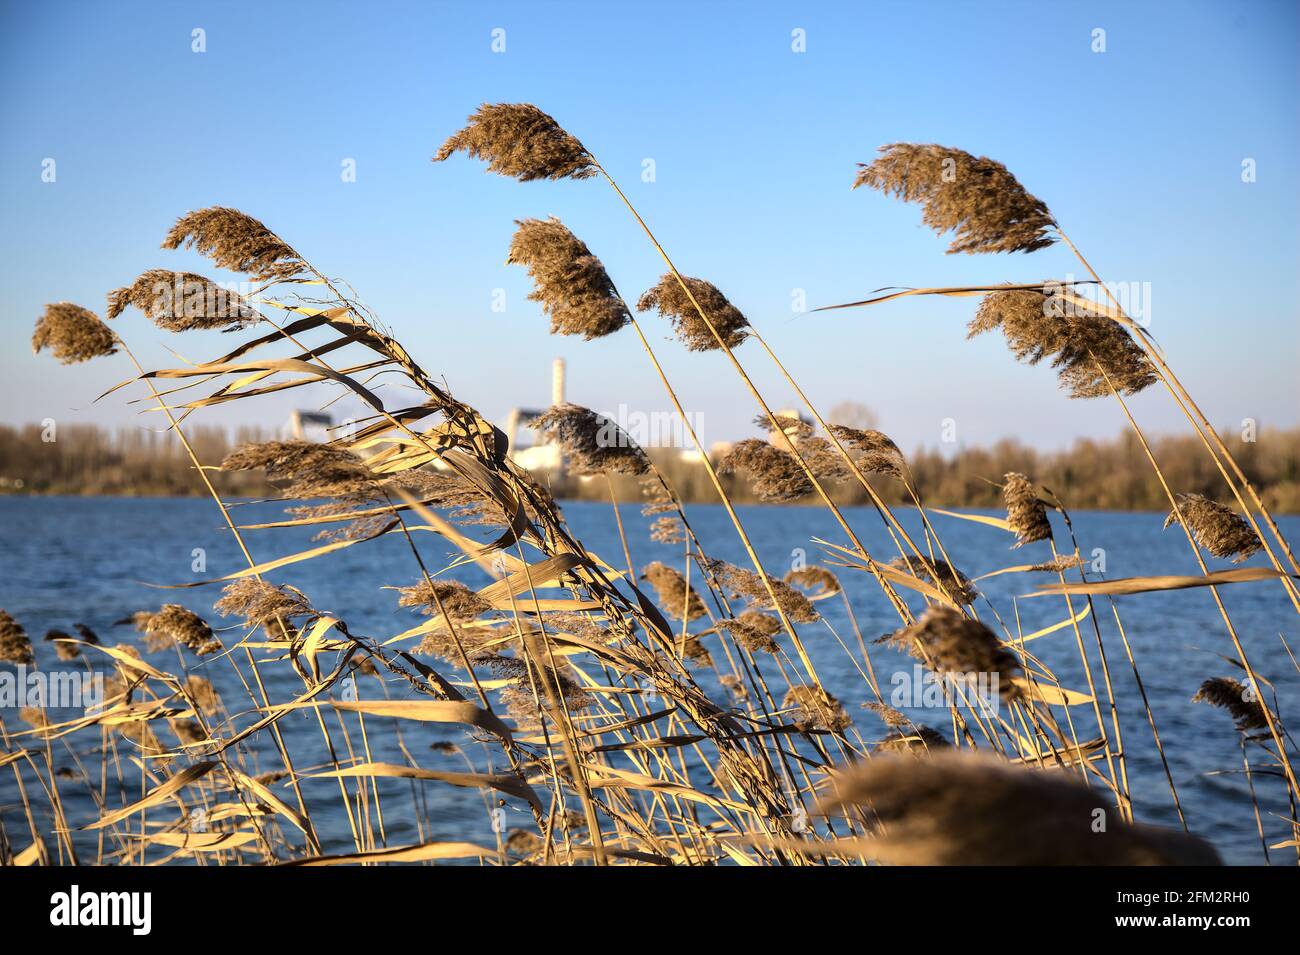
x=93 y=560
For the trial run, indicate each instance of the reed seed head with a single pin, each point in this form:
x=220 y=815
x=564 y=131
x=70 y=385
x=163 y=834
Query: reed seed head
x=796 y=429
x=183 y=301
x=570 y=282
x=1058 y=564
x=520 y=141
x=15 y=645
x=311 y=470
x=944 y=576
x=823 y=459
x=776 y=474
x=1088 y=348
x=668 y=530
x=594 y=443
x=951 y=642
x=1026 y=513
x=64 y=650
x=201 y=691
x=875 y=450
x=527 y=699
x=973 y=196
x=236 y=241
x=748 y=584
x=1226 y=693
x=754 y=631
x=448 y=644
x=459 y=603
x=890 y=716
x=961 y=808
x=734 y=686
x=1216 y=527
x=263 y=604
x=694 y=650
x=72 y=333
x=672 y=302
x=816 y=709
x=675 y=598
x=176 y=624
x=917 y=741
x=816 y=579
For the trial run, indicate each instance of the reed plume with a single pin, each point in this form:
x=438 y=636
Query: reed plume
x=1226 y=693
x=263 y=604
x=72 y=334
x=183 y=301
x=176 y=624
x=459 y=603
x=672 y=302
x=668 y=530
x=15 y=645
x=776 y=475
x=527 y=698
x=754 y=631
x=571 y=283
x=940 y=573
x=200 y=690
x=973 y=196
x=816 y=708
x=520 y=141
x=1216 y=527
x=675 y=597
x=796 y=429
x=891 y=717
x=62 y=648
x=1087 y=348
x=874 y=451
x=918 y=741
x=1026 y=513
x=961 y=808
x=693 y=649
x=818 y=580
x=748 y=584
x=310 y=469
x=236 y=241
x=594 y=443
x=1057 y=564
x=951 y=642
x=783 y=476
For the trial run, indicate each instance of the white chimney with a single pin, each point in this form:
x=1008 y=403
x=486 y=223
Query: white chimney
x=557 y=382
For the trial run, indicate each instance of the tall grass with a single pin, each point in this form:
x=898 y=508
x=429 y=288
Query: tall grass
x=571 y=694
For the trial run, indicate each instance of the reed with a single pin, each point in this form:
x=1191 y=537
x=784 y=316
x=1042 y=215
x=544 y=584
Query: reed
x=670 y=715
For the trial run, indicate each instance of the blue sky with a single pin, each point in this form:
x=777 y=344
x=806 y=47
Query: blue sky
x=1137 y=150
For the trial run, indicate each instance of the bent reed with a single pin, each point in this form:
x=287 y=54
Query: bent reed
x=571 y=692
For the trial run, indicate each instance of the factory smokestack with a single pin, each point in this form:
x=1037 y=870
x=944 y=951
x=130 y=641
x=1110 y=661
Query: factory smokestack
x=557 y=382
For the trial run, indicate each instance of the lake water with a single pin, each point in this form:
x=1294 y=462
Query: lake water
x=92 y=560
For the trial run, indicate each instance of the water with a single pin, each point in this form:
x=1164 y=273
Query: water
x=93 y=560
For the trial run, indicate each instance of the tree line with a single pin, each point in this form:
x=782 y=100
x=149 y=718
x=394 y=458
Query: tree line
x=1111 y=474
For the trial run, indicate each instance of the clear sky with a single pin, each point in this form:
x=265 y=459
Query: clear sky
x=1138 y=151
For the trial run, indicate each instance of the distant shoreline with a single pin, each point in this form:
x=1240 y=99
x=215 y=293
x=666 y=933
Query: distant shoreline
x=811 y=502
x=1110 y=475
